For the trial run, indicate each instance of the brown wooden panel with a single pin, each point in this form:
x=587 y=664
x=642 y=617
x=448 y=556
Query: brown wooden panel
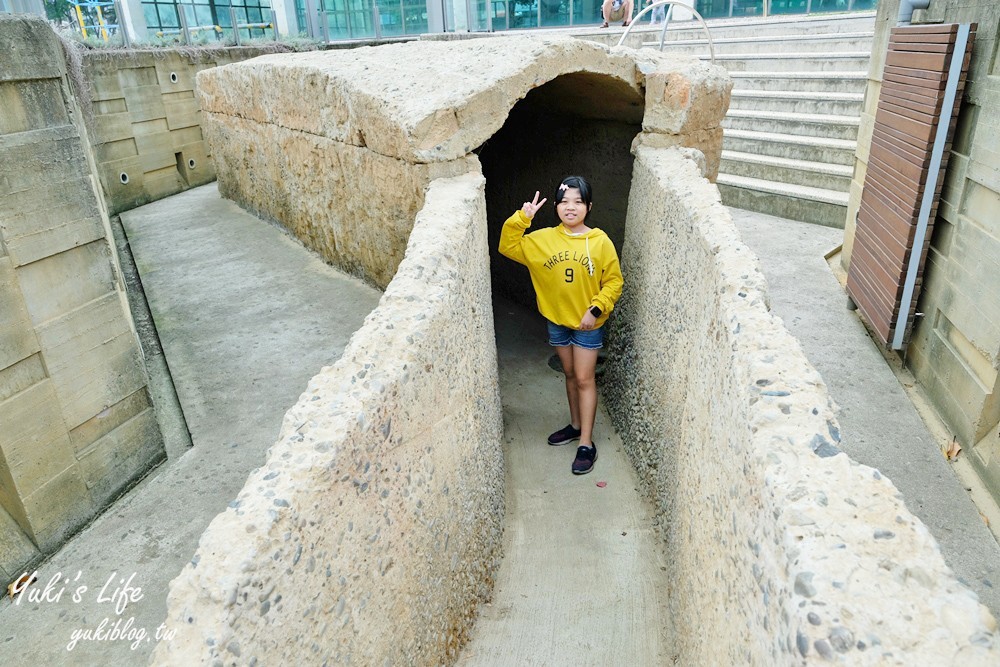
x=903 y=189
x=902 y=222
x=908 y=114
x=909 y=173
x=893 y=199
x=902 y=228
x=901 y=161
x=948 y=28
x=904 y=151
x=907 y=111
x=929 y=106
x=924 y=61
x=868 y=290
x=904 y=129
x=919 y=91
x=890 y=255
x=910 y=47
x=922 y=74
x=925 y=38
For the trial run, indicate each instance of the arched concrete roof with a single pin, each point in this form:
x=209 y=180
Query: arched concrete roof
x=434 y=101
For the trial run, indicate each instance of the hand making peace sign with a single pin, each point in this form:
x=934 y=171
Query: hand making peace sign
x=531 y=207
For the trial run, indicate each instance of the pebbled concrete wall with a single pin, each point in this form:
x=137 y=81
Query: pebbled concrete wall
x=373 y=531
x=783 y=550
x=76 y=423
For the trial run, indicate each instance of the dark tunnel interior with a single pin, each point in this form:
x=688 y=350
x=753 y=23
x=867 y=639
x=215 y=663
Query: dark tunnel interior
x=577 y=124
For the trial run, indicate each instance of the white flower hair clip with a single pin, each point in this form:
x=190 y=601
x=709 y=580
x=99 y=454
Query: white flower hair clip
x=563 y=186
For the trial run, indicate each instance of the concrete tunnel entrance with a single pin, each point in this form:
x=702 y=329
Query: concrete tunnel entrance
x=581 y=123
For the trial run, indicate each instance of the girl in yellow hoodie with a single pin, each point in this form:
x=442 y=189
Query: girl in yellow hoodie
x=574 y=269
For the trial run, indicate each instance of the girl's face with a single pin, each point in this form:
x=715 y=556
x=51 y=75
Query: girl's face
x=571 y=210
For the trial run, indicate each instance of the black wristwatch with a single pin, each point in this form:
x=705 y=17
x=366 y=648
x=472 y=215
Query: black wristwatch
x=595 y=311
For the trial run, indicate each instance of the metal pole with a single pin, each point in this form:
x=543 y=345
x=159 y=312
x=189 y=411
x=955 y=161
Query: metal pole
x=121 y=24
x=184 y=24
x=375 y=19
x=324 y=23
x=236 y=27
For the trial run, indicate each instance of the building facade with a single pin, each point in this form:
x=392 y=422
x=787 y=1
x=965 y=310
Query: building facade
x=332 y=20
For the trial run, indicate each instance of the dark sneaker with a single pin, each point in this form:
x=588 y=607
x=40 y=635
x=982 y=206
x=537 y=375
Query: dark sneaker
x=584 y=461
x=564 y=436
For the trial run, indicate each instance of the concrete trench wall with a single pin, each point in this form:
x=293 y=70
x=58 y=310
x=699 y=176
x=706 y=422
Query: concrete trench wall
x=77 y=427
x=146 y=121
x=371 y=534
x=783 y=549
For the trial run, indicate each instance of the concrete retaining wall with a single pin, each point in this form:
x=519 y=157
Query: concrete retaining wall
x=146 y=121
x=373 y=531
x=781 y=547
x=76 y=423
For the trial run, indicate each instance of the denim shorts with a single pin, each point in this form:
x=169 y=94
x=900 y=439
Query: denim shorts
x=560 y=336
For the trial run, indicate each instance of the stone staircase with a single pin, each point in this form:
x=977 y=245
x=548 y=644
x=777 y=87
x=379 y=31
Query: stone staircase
x=791 y=130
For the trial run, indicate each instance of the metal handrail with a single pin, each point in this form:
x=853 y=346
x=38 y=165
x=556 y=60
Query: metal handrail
x=663 y=32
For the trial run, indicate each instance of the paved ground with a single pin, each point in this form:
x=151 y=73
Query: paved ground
x=246 y=316
x=878 y=423
x=583 y=580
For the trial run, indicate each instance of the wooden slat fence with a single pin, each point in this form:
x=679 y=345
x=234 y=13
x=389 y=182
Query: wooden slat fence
x=914 y=83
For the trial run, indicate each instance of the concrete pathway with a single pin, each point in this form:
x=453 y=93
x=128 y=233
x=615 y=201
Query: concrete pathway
x=583 y=580
x=879 y=425
x=246 y=316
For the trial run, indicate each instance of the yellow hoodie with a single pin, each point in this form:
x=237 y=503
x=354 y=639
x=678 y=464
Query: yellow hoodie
x=570 y=272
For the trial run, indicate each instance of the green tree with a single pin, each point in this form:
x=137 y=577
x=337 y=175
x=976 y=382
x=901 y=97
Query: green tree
x=59 y=10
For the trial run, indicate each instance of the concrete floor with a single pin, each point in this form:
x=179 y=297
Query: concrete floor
x=246 y=316
x=583 y=579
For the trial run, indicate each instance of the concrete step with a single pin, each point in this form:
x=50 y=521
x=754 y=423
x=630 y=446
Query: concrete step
x=795 y=147
x=796 y=202
x=792 y=62
x=826 y=81
x=853 y=41
x=783 y=122
x=797 y=101
x=772 y=25
x=834 y=177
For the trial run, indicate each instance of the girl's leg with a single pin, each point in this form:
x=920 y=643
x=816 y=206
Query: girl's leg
x=584 y=363
x=566 y=357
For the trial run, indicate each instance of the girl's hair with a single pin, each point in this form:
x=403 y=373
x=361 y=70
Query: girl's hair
x=578 y=182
